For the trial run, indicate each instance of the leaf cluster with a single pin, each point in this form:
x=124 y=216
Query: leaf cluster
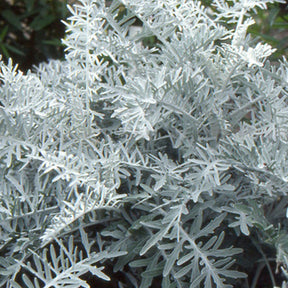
x=161 y=164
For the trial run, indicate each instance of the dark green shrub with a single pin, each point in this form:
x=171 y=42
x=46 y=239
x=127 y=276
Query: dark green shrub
x=272 y=27
x=30 y=30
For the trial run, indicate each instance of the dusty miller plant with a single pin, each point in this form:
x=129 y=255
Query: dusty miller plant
x=144 y=162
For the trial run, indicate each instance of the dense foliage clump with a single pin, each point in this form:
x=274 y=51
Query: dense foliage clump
x=154 y=155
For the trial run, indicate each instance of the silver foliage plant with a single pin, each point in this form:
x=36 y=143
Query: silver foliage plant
x=164 y=162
